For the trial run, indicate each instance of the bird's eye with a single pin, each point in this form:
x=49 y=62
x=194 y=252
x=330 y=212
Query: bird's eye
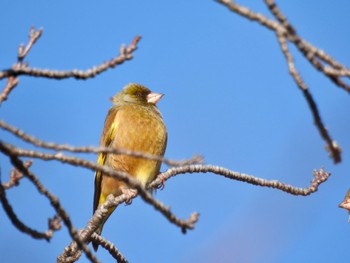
x=139 y=94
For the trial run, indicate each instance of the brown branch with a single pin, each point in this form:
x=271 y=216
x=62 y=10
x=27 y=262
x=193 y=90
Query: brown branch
x=61 y=211
x=317 y=57
x=320 y=176
x=54 y=223
x=16 y=176
x=125 y=53
x=254 y=16
x=280 y=16
x=312 y=56
x=110 y=247
x=33 y=37
x=120 y=175
x=311 y=53
x=279 y=26
x=12 y=80
x=10 y=85
x=16 y=222
x=91 y=149
x=53 y=199
x=336 y=72
x=71 y=252
x=332 y=146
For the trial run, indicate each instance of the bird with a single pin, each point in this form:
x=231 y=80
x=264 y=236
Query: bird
x=135 y=123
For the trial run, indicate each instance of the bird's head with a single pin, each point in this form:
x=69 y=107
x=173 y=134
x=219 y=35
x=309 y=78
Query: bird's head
x=134 y=93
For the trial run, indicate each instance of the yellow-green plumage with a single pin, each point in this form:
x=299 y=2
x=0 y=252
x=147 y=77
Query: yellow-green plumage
x=134 y=123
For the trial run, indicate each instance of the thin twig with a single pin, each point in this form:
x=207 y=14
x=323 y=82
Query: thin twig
x=16 y=176
x=54 y=224
x=278 y=26
x=10 y=85
x=125 y=53
x=320 y=176
x=12 y=80
x=16 y=222
x=316 y=61
x=110 y=247
x=332 y=146
x=33 y=37
x=309 y=52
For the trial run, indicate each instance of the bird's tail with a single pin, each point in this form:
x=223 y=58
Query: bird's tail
x=99 y=229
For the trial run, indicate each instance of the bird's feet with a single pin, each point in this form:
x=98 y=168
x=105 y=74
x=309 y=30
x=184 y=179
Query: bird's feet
x=162 y=181
x=130 y=194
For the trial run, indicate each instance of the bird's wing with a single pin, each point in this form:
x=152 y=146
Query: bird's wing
x=107 y=137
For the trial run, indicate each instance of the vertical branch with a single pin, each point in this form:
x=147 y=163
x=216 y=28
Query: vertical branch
x=333 y=148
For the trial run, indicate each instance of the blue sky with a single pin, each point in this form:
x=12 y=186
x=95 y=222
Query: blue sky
x=229 y=96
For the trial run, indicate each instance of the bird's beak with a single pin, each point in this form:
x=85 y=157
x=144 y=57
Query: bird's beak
x=154 y=97
x=345 y=204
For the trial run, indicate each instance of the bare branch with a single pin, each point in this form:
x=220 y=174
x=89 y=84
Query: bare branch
x=284 y=27
x=320 y=176
x=16 y=222
x=336 y=72
x=10 y=85
x=286 y=32
x=125 y=53
x=53 y=199
x=16 y=175
x=33 y=37
x=332 y=146
x=72 y=253
x=120 y=175
x=110 y=247
x=254 y=16
x=280 y=16
x=12 y=80
x=54 y=224
x=314 y=56
x=310 y=52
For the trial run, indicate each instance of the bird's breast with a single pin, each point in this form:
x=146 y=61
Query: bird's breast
x=139 y=129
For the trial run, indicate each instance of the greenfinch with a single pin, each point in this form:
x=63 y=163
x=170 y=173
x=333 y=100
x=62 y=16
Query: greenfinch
x=135 y=123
